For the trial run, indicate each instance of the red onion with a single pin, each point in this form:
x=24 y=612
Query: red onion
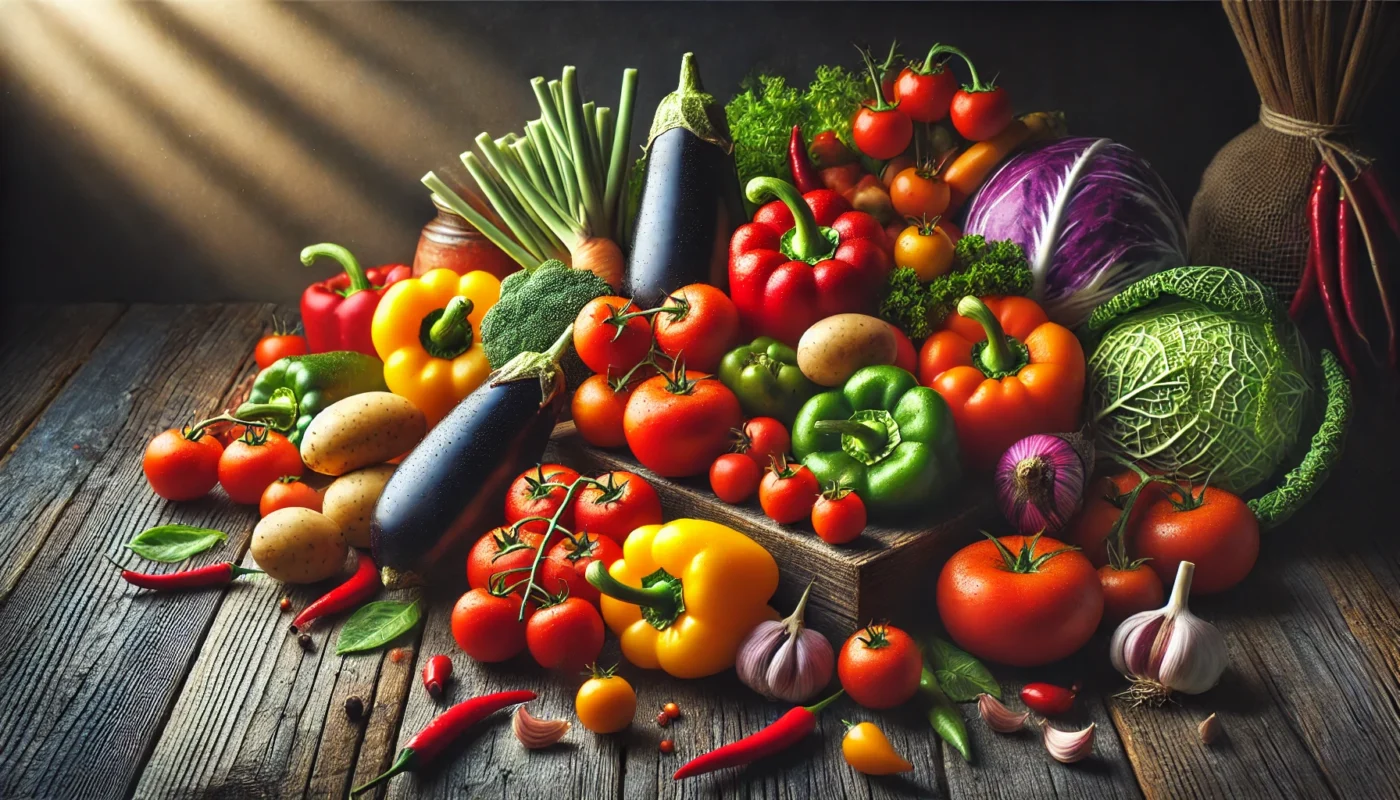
x=1040 y=481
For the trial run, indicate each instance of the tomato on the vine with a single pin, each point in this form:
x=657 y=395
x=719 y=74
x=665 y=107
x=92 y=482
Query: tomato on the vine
x=622 y=503
x=924 y=91
x=879 y=666
x=980 y=114
x=505 y=552
x=248 y=465
x=839 y=515
x=566 y=561
x=1128 y=591
x=539 y=492
x=277 y=346
x=918 y=192
x=567 y=635
x=880 y=129
x=787 y=492
x=763 y=439
x=487 y=626
x=676 y=425
x=608 y=339
x=702 y=330
x=597 y=409
x=181 y=466
x=734 y=477
x=288 y=491
x=925 y=248
x=1212 y=528
x=1103 y=504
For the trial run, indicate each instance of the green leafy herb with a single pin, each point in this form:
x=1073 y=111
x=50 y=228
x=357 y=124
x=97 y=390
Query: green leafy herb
x=961 y=676
x=761 y=117
x=172 y=543
x=376 y=624
x=979 y=268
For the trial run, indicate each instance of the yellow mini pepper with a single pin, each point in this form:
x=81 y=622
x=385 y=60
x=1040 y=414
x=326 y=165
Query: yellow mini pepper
x=685 y=594
x=425 y=331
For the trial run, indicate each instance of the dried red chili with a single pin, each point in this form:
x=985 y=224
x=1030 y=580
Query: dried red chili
x=436 y=674
x=220 y=574
x=789 y=729
x=358 y=588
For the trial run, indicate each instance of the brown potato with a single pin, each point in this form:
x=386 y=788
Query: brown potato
x=350 y=499
x=834 y=348
x=361 y=430
x=298 y=545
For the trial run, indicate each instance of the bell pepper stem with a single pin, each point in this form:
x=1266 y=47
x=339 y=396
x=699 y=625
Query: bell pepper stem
x=359 y=281
x=403 y=763
x=869 y=438
x=996 y=356
x=660 y=597
x=821 y=706
x=450 y=335
x=807 y=239
x=280 y=411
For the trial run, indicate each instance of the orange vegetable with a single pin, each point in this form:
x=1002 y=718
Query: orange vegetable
x=973 y=165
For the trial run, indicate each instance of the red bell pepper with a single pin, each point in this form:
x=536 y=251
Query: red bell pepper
x=336 y=313
x=802 y=259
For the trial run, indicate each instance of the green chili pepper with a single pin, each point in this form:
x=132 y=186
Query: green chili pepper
x=946 y=719
x=764 y=376
x=291 y=392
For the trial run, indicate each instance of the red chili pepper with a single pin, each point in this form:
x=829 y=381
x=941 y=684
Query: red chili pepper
x=442 y=731
x=1306 y=291
x=358 y=588
x=1048 y=699
x=220 y=574
x=436 y=674
x=804 y=173
x=336 y=313
x=1324 y=247
x=1346 y=267
x=789 y=729
x=1377 y=196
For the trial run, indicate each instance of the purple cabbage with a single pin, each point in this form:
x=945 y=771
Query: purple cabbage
x=1091 y=215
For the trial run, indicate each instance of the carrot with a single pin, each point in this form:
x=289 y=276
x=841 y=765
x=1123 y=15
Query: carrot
x=1323 y=251
x=1346 y=268
x=973 y=165
x=1306 y=291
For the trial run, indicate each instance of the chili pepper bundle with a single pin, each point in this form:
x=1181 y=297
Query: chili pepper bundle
x=786 y=731
x=360 y=587
x=220 y=574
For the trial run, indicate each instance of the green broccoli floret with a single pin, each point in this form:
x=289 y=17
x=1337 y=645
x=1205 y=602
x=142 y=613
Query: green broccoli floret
x=979 y=268
x=535 y=307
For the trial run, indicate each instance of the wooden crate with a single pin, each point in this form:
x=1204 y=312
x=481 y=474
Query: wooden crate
x=887 y=574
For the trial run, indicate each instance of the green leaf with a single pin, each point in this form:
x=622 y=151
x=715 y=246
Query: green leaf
x=172 y=543
x=376 y=624
x=960 y=675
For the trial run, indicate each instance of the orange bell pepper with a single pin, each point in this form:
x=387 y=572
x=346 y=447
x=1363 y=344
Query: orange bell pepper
x=1029 y=380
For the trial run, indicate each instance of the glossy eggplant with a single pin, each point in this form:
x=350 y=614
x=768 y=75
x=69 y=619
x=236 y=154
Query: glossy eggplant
x=450 y=487
x=690 y=202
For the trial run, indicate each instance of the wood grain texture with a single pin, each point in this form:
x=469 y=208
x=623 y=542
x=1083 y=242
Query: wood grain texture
x=88 y=665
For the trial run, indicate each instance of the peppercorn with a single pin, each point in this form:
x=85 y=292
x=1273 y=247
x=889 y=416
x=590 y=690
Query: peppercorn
x=354 y=708
x=668 y=746
x=285 y=603
x=305 y=641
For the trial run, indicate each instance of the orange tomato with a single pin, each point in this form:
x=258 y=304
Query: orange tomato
x=598 y=408
x=918 y=193
x=927 y=250
x=288 y=491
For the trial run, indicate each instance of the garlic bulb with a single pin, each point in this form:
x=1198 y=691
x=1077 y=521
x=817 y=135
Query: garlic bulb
x=998 y=717
x=1068 y=747
x=536 y=733
x=784 y=660
x=1170 y=649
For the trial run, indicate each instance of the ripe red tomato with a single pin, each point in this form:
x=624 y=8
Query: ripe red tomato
x=181 y=468
x=919 y=193
x=278 y=346
x=1217 y=532
x=881 y=133
x=980 y=115
x=501 y=551
x=567 y=635
x=905 y=356
x=839 y=516
x=879 y=666
x=734 y=477
x=678 y=426
x=788 y=492
x=532 y=495
x=597 y=407
x=706 y=327
x=488 y=627
x=288 y=492
x=607 y=343
x=1023 y=619
x=624 y=503
x=1128 y=591
x=1090 y=527
x=924 y=93
x=763 y=439
x=564 y=565
x=250 y=464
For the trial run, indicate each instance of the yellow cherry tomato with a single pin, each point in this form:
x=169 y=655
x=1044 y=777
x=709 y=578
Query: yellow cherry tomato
x=605 y=702
x=868 y=751
x=926 y=249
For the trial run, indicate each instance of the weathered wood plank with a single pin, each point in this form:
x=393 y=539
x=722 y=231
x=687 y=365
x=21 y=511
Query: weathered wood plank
x=88 y=666
x=40 y=348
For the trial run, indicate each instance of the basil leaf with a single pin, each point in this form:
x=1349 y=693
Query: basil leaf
x=171 y=543
x=961 y=676
x=376 y=624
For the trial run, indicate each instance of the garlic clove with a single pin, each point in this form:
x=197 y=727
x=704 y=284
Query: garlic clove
x=536 y=733
x=1068 y=747
x=998 y=717
x=1211 y=730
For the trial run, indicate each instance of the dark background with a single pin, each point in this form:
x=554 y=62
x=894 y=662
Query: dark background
x=187 y=153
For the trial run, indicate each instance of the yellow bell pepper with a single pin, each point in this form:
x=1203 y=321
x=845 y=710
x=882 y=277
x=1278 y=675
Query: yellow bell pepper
x=425 y=331
x=685 y=594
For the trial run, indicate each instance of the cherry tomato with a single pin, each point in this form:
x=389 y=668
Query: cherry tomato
x=278 y=346
x=624 y=503
x=980 y=115
x=734 y=477
x=597 y=407
x=925 y=92
x=501 y=551
x=608 y=343
x=605 y=703
x=838 y=516
x=829 y=151
x=879 y=666
x=705 y=328
x=288 y=491
x=918 y=193
x=1214 y=530
x=567 y=635
x=488 y=627
x=881 y=133
x=788 y=492
x=539 y=492
x=677 y=426
x=182 y=468
x=1128 y=591
x=763 y=439
x=1090 y=527
x=250 y=464
x=1024 y=619
x=563 y=567
x=671 y=710
x=925 y=249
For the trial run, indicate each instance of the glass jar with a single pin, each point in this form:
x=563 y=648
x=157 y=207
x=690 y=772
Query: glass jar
x=450 y=242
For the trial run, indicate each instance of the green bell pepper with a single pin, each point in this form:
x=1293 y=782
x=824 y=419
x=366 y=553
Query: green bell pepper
x=764 y=376
x=883 y=435
x=291 y=392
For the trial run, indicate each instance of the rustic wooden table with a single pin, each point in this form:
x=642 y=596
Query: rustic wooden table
x=110 y=693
